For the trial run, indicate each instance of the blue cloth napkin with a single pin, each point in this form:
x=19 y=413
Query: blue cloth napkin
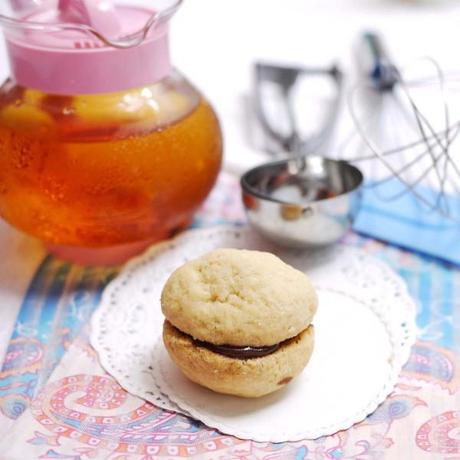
x=407 y=222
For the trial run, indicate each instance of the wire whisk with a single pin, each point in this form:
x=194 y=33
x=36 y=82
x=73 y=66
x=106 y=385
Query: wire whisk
x=406 y=127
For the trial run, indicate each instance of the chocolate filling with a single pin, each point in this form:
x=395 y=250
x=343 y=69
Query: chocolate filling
x=238 y=352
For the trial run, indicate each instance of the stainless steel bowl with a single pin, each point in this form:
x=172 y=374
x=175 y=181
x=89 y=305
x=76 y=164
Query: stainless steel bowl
x=302 y=202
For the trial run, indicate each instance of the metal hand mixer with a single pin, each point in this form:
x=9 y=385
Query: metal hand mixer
x=275 y=97
x=402 y=137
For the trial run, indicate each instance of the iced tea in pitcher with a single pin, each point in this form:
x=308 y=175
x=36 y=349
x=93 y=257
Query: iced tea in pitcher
x=103 y=148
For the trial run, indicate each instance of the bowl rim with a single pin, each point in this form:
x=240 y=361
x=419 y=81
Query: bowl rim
x=254 y=192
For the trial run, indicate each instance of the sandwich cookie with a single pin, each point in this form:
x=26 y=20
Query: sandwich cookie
x=239 y=322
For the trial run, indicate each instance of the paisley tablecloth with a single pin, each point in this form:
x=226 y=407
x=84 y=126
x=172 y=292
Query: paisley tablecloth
x=56 y=402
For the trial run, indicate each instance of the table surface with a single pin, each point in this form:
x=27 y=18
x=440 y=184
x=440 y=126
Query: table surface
x=45 y=304
x=57 y=402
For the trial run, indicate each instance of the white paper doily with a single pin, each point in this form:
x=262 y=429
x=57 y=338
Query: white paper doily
x=364 y=331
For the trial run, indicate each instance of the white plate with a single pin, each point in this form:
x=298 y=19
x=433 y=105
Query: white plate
x=364 y=331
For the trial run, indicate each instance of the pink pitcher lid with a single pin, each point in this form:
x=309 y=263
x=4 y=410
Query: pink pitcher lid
x=89 y=46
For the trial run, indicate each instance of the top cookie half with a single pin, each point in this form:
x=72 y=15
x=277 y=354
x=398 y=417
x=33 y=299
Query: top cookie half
x=239 y=297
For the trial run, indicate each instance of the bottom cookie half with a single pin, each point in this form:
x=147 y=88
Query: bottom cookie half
x=249 y=378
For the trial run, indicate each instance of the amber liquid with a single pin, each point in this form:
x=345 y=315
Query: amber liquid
x=107 y=183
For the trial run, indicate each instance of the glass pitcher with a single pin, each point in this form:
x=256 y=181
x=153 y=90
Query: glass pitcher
x=104 y=148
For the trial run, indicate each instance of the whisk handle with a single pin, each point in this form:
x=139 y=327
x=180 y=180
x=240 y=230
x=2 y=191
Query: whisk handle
x=376 y=64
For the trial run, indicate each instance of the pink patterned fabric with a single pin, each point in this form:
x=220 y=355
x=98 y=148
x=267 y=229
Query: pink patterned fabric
x=81 y=413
